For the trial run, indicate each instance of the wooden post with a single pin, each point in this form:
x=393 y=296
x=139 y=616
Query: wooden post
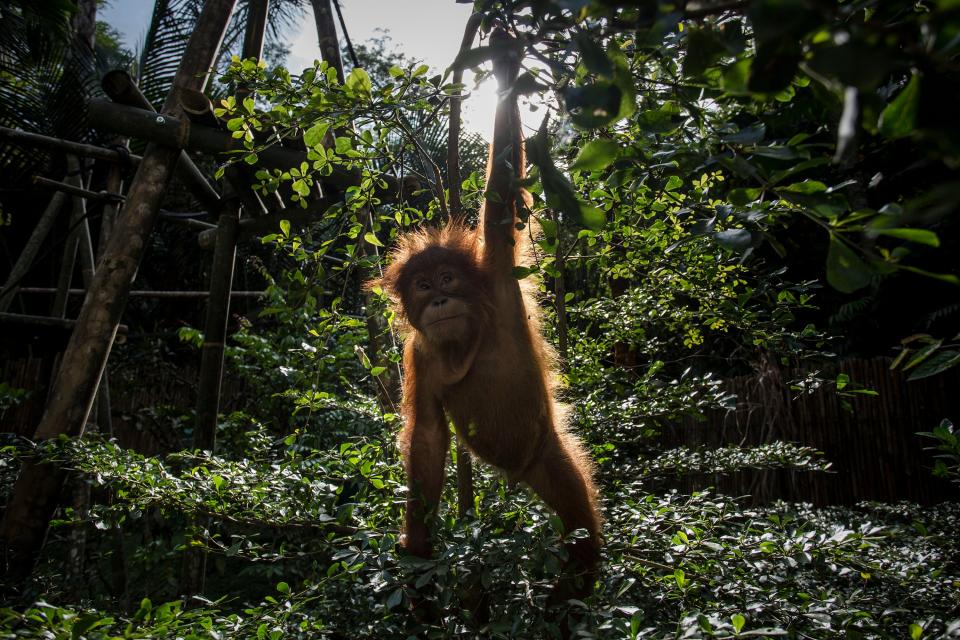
x=122 y=89
x=111 y=209
x=75 y=240
x=221 y=272
x=193 y=571
x=37 y=490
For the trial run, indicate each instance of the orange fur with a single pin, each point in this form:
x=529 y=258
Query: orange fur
x=489 y=371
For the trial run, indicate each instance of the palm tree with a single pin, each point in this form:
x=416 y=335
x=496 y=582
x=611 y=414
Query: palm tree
x=47 y=69
x=171 y=24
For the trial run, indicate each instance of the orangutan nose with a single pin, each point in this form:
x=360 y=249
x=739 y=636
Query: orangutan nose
x=439 y=302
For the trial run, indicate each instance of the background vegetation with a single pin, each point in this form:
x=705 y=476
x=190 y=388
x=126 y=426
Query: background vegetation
x=721 y=189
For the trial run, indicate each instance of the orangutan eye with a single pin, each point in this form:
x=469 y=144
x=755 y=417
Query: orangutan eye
x=446 y=278
x=423 y=285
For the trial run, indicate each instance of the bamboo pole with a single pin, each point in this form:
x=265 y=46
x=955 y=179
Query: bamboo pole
x=74 y=190
x=175 y=131
x=27 y=139
x=46 y=321
x=150 y=294
x=110 y=209
x=222 y=268
x=36 y=492
x=261 y=225
x=218 y=304
x=30 y=250
x=78 y=241
x=122 y=88
x=215 y=324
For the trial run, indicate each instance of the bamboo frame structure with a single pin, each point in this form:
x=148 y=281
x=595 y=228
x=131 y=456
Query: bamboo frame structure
x=180 y=133
x=185 y=123
x=37 y=490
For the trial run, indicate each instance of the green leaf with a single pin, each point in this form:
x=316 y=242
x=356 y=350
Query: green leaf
x=734 y=239
x=734 y=77
x=937 y=363
x=778 y=152
x=737 y=621
x=358 y=82
x=591 y=217
x=923 y=354
x=774 y=66
x=372 y=238
x=559 y=192
x=846 y=272
x=842 y=381
x=749 y=135
x=343 y=144
x=680 y=577
x=593 y=56
x=899 y=118
x=395 y=598
x=673 y=183
x=945 y=277
x=301 y=187
x=807 y=186
x=854 y=64
x=315 y=134
x=549 y=228
x=596 y=155
x=285 y=227
x=703 y=48
x=521 y=272
x=916 y=631
x=283 y=587
x=594 y=105
x=743 y=197
x=920 y=236
x=472 y=57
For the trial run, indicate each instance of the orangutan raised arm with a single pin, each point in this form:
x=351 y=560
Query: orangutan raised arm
x=506 y=164
x=474 y=354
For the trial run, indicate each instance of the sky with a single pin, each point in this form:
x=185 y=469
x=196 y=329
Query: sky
x=430 y=30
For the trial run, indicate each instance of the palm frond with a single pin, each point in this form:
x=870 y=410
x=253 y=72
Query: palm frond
x=170 y=28
x=45 y=80
x=165 y=44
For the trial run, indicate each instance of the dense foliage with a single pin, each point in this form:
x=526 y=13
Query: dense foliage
x=719 y=189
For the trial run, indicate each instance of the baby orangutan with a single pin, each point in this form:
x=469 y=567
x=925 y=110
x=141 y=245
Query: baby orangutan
x=474 y=353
